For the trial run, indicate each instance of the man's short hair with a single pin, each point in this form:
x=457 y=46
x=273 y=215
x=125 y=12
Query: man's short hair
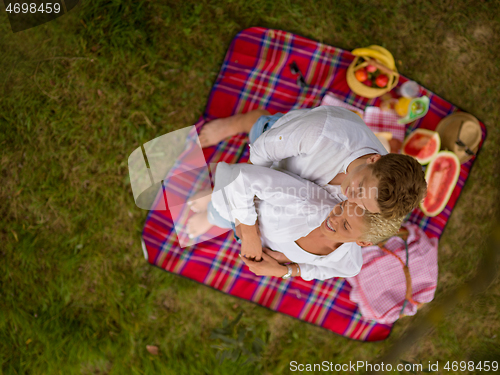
x=379 y=228
x=401 y=186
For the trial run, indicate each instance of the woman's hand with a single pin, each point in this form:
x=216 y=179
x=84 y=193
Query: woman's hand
x=267 y=267
x=279 y=257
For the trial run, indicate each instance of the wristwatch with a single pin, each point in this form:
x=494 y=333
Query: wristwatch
x=288 y=274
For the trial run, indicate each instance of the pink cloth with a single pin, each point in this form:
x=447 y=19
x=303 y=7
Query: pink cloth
x=376 y=119
x=384 y=121
x=380 y=288
x=331 y=99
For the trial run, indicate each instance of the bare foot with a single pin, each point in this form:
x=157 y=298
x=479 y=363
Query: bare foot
x=217 y=130
x=198 y=224
x=199 y=201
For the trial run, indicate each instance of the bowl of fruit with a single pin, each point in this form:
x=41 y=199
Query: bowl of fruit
x=373 y=72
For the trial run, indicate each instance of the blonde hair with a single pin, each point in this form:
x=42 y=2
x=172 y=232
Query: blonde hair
x=379 y=228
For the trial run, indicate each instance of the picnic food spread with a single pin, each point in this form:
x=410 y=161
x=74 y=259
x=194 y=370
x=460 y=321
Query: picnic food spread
x=372 y=74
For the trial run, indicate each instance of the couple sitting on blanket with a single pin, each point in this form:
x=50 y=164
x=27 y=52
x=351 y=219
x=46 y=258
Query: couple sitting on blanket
x=336 y=189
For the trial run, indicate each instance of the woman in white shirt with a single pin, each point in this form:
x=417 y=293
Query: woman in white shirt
x=301 y=222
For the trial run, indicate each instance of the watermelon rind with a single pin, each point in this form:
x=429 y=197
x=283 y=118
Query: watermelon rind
x=432 y=134
x=451 y=185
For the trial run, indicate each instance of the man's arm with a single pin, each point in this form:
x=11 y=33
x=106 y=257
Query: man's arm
x=251 y=244
x=267 y=267
x=347 y=266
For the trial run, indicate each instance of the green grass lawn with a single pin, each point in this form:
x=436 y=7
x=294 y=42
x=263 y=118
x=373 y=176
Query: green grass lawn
x=80 y=93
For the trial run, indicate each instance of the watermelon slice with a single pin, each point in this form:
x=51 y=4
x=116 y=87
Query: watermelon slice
x=422 y=144
x=441 y=176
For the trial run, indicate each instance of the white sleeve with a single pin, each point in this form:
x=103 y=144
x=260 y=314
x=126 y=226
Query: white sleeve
x=348 y=265
x=236 y=185
x=309 y=272
x=295 y=137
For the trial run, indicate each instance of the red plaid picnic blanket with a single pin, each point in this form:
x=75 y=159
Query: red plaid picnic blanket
x=256 y=74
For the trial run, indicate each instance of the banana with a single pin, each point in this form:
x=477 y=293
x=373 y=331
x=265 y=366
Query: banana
x=369 y=52
x=374 y=53
x=378 y=53
x=392 y=64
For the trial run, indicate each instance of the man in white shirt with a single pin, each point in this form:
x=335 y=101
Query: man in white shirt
x=329 y=146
